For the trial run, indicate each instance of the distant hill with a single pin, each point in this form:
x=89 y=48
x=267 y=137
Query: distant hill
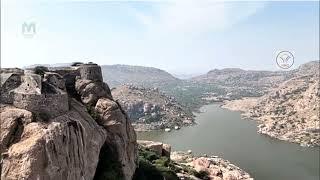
x=116 y=75
x=185 y=76
x=150 y=109
x=229 y=76
x=255 y=83
x=311 y=67
x=291 y=110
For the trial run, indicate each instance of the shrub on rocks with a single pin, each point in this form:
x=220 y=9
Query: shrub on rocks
x=153 y=166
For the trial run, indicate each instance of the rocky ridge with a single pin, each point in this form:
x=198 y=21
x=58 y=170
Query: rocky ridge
x=242 y=83
x=90 y=136
x=290 y=111
x=117 y=75
x=150 y=109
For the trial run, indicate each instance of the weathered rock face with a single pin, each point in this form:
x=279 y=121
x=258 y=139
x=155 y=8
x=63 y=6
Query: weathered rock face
x=92 y=134
x=12 y=121
x=90 y=91
x=121 y=137
x=66 y=147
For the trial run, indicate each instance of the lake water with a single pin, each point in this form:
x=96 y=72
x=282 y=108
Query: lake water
x=222 y=132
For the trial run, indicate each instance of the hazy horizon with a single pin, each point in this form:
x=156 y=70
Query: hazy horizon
x=180 y=75
x=179 y=37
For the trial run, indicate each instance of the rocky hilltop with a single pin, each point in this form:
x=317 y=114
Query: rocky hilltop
x=243 y=83
x=150 y=109
x=63 y=124
x=215 y=86
x=137 y=75
x=289 y=111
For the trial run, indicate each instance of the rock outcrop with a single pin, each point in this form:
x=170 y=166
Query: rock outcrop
x=159 y=148
x=122 y=136
x=188 y=166
x=65 y=147
x=214 y=167
x=89 y=138
x=150 y=109
x=290 y=111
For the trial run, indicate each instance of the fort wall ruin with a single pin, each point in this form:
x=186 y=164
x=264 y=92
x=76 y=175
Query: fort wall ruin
x=91 y=72
x=46 y=94
x=50 y=104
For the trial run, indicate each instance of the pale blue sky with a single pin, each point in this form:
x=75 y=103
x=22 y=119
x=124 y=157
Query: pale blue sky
x=173 y=35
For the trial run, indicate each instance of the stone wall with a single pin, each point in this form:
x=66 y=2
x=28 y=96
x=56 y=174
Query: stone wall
x=91 y=72
x=31 y=84
x=50 y=104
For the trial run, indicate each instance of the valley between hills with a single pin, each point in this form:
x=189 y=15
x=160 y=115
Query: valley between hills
x=81 y=121
x=285 y=103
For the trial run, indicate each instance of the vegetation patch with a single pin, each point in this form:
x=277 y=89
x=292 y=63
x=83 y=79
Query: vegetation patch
x=152 y=166
x=92 y=112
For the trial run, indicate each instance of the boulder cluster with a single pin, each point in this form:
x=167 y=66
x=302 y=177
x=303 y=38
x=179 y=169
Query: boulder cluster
x=214 y=167
x=91 y=139
x=193 y=167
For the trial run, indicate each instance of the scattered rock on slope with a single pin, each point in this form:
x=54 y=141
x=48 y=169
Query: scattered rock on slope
x=116 y=75
x=157 y=157
x=290 y=111
x=149 y=109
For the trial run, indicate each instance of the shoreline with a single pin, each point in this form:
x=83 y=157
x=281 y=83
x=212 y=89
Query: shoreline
x=244 y=106
x=141 y=127
x=265 y=125
x=187 y=163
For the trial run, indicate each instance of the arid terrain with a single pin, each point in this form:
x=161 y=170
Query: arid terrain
x=290 y=111
x=64 y=123
x=150 y=109
x=285 y=101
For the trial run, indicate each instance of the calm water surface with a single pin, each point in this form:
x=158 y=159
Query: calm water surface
x=222 y=132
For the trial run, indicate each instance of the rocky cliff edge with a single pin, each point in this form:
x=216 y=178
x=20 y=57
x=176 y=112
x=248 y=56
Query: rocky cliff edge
x=89 y=138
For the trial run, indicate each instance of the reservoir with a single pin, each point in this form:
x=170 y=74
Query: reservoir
x=223 y=133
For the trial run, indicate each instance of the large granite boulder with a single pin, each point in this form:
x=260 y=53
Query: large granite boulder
x=122 y=137
x=91 y=139
x=66 y=147
x=91 y=91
